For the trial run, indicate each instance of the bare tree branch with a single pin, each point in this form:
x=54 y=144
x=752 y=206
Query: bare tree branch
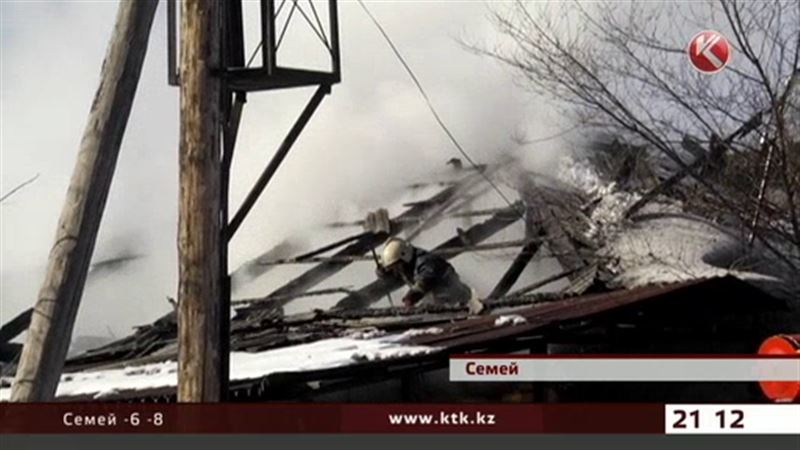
x=620 y=68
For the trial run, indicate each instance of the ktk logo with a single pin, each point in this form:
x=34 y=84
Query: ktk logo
x=709 y=51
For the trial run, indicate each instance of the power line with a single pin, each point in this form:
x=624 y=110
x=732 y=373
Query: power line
x=432 y=109
x=18 y=187
x=550 y=137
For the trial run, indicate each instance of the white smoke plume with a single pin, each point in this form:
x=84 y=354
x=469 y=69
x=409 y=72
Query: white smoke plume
x=367 y=142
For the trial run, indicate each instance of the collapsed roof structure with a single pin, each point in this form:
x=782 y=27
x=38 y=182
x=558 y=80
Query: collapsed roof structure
x=571 y=270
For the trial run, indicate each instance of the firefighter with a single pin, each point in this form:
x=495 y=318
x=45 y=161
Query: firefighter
x=431 y=279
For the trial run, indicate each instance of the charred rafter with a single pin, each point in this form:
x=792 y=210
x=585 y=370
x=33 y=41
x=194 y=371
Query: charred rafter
x=474 y=235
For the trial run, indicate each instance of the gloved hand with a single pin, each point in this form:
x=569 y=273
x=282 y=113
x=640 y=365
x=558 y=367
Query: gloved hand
x=380 y=272
x=412 y=298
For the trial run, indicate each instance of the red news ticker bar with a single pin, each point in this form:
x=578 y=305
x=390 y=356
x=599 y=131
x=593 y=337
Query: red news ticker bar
x=511 y=356
x=331 y=418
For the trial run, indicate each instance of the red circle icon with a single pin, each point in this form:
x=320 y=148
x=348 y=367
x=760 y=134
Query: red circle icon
x=709 y=51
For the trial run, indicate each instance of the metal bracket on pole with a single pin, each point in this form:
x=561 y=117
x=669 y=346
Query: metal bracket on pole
x=276 y=161
x=172 y=44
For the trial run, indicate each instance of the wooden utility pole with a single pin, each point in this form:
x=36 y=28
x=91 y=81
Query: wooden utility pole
x=200 y=364
x=53 y=317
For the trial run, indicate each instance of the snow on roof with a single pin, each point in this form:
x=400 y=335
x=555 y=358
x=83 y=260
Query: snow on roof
x=666 y=250
x=662 y=245
x=512 y=320
x=323 y=354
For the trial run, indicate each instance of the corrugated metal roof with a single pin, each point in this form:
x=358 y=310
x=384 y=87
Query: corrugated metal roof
x=456 y=332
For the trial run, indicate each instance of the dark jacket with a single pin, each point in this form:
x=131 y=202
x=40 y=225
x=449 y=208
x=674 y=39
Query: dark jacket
x=429 y=272
x=432 y=277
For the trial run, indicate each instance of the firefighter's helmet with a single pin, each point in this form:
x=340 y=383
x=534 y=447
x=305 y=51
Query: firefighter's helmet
x=396 y=250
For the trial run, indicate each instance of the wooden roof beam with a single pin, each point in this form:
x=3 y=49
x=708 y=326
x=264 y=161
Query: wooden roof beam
x=367 y=242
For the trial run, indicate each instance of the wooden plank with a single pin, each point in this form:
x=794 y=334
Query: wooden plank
x=46 y=346
x=438 y=213
x=326 y=248
x=533 y=228
x=15 y=326
x=555 y=223
x=672 y=181
x=543 y=282
x=514 y=271
x=9 y=351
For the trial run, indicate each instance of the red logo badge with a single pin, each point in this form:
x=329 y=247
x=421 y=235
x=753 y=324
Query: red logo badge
x=709 y=51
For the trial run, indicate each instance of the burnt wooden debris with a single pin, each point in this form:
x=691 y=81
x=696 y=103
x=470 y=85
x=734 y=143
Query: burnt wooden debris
x=253 y=316
x=560 y=215
x=364 y=243
x=655 y=311
x=545 y=210
x=156 y=342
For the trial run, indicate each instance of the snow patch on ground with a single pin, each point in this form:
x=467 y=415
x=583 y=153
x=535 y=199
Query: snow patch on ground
x=422 y=332
x=323 y=354
x=514 y=319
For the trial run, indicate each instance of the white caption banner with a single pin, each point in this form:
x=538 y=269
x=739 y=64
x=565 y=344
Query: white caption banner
x=732 y=419
x=625 y=369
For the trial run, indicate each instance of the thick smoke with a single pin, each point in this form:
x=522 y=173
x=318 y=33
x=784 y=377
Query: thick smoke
x=367 y=142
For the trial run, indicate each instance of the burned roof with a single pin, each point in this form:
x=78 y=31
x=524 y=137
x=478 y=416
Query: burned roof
x=554 y=220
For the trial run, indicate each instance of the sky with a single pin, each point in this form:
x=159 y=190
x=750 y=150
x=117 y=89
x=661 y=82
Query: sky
x=369 y=139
